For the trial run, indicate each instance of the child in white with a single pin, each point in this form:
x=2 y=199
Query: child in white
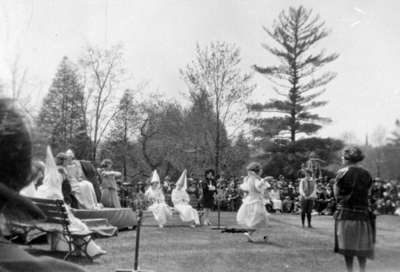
x=161 y=211
x=181 y=199
x=252 y=213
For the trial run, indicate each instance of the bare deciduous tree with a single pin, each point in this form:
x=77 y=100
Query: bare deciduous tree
x=216 y=71
x=103 y=70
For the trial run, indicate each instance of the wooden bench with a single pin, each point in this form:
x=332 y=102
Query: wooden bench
x=56 y=223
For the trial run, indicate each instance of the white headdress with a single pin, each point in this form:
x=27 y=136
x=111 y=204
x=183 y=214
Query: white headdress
x=52 y=181
x=69 y=153
x=155 y=177
x=182 y=180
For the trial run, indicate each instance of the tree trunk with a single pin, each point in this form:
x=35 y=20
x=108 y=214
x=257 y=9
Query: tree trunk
x=125 y=144
x=217 y=144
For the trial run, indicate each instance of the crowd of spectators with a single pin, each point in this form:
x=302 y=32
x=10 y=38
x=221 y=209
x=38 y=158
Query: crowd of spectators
x=283 y=195
x=386 y=196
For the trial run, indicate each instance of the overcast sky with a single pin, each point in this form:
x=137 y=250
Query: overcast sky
x=159 y=38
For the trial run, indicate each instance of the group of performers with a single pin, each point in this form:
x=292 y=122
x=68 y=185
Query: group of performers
x=180 y=199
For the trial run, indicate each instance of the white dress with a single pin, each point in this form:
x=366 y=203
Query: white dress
x=276 y=200
x=161 y=211
x=82 y=189
x=252 y=212
x=181 y=199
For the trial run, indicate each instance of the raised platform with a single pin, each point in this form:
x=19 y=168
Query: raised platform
x=121 y=218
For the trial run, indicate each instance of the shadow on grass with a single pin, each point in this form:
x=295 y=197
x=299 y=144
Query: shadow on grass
x=81 y=260
x=313 y=229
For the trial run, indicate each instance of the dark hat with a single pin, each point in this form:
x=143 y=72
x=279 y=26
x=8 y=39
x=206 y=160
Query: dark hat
x=15 y=162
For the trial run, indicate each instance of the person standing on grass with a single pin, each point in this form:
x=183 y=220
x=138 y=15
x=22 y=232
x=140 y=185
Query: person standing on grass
x=308 y=193
x=354 y=220
x=252 y=213
x=109 y=187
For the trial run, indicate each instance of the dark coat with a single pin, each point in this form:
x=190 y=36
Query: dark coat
x=208 y=195
x=91 y=175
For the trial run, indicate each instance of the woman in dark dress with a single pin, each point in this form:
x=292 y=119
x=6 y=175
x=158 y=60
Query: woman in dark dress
x=209 y=187
x=354 y=222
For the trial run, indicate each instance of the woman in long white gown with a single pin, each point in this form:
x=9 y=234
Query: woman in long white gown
x=82 y=189
x=252 y=213
x=180 y=199
x=51 y=189
x=161 y=211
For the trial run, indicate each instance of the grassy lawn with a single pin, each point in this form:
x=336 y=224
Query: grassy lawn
x=290 y=248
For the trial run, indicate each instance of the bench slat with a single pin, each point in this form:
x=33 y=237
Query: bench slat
x=44 y=201
x=57 y=220
x=49 y=209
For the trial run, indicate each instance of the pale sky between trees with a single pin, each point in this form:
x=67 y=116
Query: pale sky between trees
x=159 y=38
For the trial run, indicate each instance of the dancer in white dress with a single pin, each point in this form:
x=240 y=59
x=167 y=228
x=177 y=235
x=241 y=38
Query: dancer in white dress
x=252 y=213
x=51 y=189
x=181 y=199
x=161 y=211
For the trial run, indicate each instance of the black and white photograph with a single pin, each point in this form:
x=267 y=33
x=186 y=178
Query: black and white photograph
x=199 y=136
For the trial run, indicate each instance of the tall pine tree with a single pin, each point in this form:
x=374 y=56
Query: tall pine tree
x=62 y=119
x=296 y=79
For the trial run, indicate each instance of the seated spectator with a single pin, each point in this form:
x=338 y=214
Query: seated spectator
x=82 y=189
x=397 y=211
x=233 y=197
x=275 y=197
x=69 y=198
x=287 y=205
x=321 y=203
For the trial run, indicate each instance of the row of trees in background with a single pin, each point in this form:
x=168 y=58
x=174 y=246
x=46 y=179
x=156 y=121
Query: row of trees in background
x=383 y=158
x=79 y=113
